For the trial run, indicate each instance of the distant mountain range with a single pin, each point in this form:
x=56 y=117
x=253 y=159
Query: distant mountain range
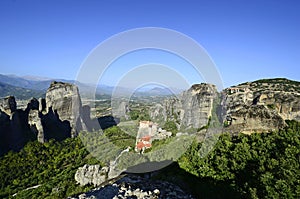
x=29 y=82
x=18 y=92
x=31 y=86
x=157 y=91
x=25 y=87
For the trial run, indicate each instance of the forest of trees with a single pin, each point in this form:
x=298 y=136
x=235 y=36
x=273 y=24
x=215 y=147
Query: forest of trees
x=262 y=165
x=51 y=165
x=265 y=165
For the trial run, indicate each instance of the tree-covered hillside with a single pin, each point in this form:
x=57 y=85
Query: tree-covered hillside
x=50 y=166
x=263 y=165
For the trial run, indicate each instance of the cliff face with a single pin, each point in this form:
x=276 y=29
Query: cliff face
x=14 y=128
x=57 y=117
x=8 y=105
x=196 y=105
x=192 y=109
x=263 y=105
x=259 y=106
x=251 y=119
x=64 y=100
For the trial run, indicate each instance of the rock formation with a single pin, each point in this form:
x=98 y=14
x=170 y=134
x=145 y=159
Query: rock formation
x=251 y=119
x=14 y=128
x=192 y=109
x=35 y=124
x=91 y=174
x=120 y=109
x=64 y=99
x=131 y=186
x=8 y=105
x=197 y=105
x=259 y=106
x=4 y=132
x=59 y=116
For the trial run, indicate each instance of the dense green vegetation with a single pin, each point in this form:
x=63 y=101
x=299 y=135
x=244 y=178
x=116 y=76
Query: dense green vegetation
x=263 y=165
x=139 y=114
x=274 y=81
x=171 y=126
x=51 y=165
x=119 y=137
x=276 y=84
x=278 y=80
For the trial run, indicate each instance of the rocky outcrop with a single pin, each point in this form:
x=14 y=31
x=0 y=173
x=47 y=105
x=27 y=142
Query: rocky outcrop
x=4 y=132
x=91 y=174
x=258 y=106
x=120 y=109
x=8 y=105
x=35 y=124
x=59 y=116
x=14 y=128
x=196 y=105
x=131 y=186
x=286 y=104
x=192 y=109
x=254 y=118
x=64 y=99
x=34 y=119
x=261 y=106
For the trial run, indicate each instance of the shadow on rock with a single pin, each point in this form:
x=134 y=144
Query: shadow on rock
x=54 y=128
x=107 y=121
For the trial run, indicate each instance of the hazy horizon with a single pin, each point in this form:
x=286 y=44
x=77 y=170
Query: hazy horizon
x=142 y=88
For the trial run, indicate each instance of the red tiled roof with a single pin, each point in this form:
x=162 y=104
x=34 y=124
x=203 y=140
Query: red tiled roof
x=140 y=145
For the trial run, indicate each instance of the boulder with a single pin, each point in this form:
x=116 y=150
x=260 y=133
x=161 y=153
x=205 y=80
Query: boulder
x=91 y=174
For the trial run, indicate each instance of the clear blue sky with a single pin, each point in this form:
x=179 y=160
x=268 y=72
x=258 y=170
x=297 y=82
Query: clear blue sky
x=247 y=40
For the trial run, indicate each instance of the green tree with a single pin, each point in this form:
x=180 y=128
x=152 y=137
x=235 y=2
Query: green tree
x=171 y=126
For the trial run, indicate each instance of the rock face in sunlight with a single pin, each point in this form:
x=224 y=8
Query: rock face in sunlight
x=91 y=174
x=64 y=99
x=259 y=106
x=192 y=109
x=255 y=118
x=196 y=105
x=35 y=124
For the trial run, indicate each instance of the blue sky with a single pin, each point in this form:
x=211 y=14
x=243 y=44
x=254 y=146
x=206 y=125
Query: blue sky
x=247 y=40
